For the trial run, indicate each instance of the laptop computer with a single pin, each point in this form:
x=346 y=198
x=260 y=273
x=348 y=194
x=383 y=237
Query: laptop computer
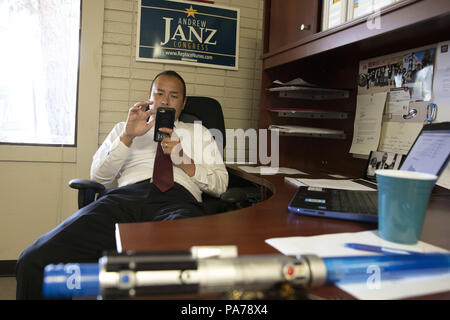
x=429 y=154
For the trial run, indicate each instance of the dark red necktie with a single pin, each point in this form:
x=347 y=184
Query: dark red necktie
x=162 y=170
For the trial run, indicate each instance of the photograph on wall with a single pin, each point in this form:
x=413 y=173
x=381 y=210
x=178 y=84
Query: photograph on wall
x=184 y=32
x=418 y=74
x=380 y=74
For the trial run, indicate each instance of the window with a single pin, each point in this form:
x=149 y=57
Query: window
x=39 y=71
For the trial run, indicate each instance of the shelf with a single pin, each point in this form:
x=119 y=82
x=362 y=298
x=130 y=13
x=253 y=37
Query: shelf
x=310 y=93
x=340 y=136
x=308 y=113
x=300 y=131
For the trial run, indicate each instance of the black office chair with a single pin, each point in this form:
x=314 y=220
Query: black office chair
x=240 y=192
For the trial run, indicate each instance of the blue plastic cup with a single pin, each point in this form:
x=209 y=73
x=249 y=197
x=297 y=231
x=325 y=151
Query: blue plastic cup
x=402 y=204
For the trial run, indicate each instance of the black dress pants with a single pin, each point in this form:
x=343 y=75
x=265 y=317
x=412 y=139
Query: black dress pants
x=90 y=231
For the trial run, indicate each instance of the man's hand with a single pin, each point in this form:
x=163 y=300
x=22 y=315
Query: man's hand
x=173 y=147
x=137 y=124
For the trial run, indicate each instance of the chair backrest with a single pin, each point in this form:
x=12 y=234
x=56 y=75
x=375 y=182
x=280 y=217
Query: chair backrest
x=209 y=111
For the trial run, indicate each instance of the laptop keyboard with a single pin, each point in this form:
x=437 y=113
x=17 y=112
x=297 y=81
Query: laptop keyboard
x=354 y=201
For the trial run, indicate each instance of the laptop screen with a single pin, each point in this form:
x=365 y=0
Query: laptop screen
x=431 y=150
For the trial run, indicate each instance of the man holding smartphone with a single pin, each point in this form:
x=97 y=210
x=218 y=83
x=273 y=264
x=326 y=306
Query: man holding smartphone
x=127 y=156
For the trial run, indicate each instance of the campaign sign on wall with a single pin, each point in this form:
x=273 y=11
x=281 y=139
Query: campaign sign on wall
x=188 y=33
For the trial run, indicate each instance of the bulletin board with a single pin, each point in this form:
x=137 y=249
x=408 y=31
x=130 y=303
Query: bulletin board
x=408 y=89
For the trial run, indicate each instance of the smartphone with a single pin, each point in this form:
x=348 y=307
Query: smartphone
x=165 y=118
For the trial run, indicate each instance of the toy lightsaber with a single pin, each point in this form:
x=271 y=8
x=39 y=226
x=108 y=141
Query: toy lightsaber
x=144 y=274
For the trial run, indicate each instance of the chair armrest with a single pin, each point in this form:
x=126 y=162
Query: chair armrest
x=234 y=195
x=86 y=184
x=87 y=190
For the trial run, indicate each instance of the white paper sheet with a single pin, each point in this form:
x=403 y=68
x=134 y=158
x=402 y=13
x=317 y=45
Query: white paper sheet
x=367 y=126
x=328 y=183
x=398 y=108
x=441 y=84
x=296 y=82
x=332 y=245
x=398 y=137
x=265 y=170
x=398 y=94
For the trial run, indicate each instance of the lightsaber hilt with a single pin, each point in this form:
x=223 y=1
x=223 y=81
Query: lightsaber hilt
x=202 y=270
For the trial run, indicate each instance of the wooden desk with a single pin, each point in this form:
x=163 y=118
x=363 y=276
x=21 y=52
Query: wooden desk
x=248 y=228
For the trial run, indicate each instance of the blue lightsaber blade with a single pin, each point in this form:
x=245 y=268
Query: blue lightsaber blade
x=359 y=268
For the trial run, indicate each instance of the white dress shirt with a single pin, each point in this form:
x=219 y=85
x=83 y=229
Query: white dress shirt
x=115 y=161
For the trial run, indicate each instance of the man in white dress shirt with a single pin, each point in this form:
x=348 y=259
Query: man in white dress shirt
x=127 y=156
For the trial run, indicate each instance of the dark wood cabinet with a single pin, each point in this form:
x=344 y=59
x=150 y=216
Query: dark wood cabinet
x=290 y=21
x=331 y=59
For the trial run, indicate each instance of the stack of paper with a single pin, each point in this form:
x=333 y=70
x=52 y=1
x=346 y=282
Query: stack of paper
x=328 y=183
x=296 y=82
x=265 y=170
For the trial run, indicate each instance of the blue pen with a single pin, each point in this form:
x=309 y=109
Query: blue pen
x=384 y=250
